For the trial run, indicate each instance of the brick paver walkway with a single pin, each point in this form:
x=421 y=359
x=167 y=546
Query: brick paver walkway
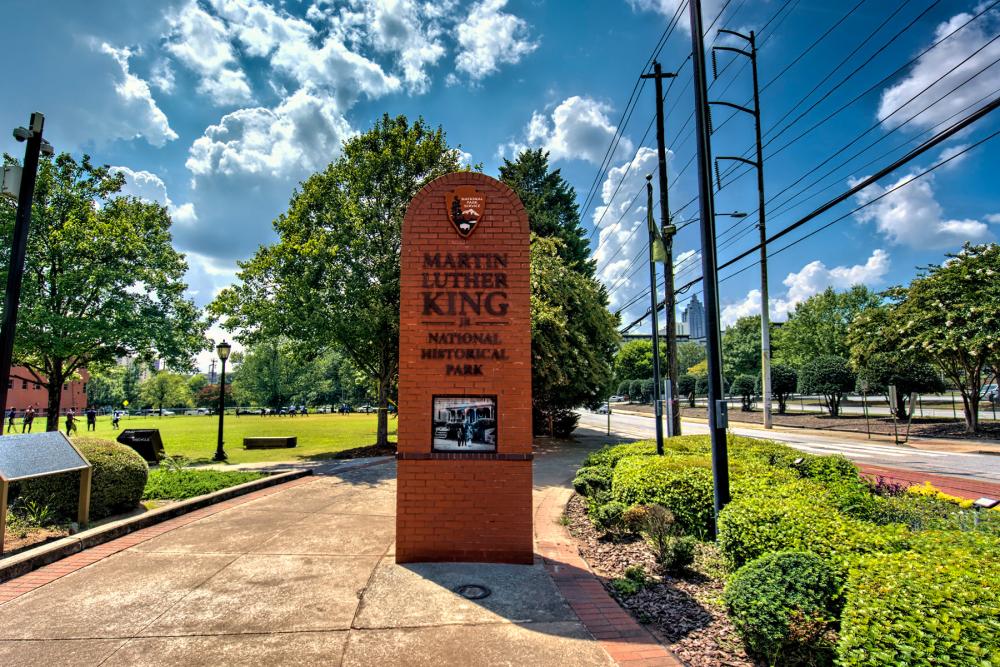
x=627 y=642
x=950 y=484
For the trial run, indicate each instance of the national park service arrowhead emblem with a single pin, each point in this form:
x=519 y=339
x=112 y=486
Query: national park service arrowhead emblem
x=465 y=206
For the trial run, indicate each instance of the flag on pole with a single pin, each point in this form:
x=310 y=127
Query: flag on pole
x=659 y=249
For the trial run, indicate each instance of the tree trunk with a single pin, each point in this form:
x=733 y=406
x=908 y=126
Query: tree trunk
x=782 y=399
x=970 y=408
x=55 y=400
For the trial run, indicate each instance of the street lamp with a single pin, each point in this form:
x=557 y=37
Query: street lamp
x=223 y=350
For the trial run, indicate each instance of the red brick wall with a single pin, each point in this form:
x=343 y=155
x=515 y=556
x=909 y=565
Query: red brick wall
x=465 y=506
x=22 y=397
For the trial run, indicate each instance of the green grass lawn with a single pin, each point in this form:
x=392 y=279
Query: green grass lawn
x=194 y=437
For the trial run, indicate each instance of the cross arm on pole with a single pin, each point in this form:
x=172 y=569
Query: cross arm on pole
x=752 y=163
x=738 y=107
x=722 y=31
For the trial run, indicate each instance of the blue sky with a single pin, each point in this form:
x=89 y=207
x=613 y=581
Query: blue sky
x=217 y=108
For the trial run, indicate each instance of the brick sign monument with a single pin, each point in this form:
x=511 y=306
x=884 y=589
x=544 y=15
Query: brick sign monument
x=464 y=453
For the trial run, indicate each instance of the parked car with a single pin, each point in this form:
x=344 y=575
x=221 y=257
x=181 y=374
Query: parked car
x=617 y=399
x=367 y=409
x=603 y=409
x=990 y=393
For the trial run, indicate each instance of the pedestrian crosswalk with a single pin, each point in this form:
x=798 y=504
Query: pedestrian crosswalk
x=873 y=452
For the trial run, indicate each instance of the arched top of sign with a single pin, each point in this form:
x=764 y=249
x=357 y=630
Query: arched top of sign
x=467 y=201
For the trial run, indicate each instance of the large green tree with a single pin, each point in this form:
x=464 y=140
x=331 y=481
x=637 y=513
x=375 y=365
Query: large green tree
x=551 y=205
x=949 y=314
x=741 y=348
x=271 y=375
x=818 y=326
x=105 y=387
x=101 y=279
x=166 y=389
x=332 y=280
x=573 y=339
x=689 y=353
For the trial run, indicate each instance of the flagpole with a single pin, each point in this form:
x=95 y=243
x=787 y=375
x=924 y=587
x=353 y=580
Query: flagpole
x=653 y=241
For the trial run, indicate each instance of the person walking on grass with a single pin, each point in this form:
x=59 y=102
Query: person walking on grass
x=91 y=419
x=11 y=414
x=26 y=421
x=115 y=416
x=70 y=422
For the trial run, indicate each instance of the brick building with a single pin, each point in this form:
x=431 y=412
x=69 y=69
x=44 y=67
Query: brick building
x=23 y=394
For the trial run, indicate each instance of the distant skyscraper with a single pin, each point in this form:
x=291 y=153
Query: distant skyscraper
x=693 y=318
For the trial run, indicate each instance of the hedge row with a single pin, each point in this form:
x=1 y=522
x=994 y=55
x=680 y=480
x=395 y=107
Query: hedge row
x=922 y=578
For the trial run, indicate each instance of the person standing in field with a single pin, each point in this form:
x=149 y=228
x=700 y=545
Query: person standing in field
x=70 y=422
x=91 y=419
x=29 y=417
x=11 y=414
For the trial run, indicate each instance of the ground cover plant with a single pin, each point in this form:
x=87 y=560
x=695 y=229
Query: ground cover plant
x=166 y=484
x=820 y=566
x=194 y=437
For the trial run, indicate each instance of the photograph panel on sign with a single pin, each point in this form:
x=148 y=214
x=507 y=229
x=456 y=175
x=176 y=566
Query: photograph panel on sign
x=465 y=424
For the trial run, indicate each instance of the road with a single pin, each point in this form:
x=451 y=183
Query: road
x=974 y=467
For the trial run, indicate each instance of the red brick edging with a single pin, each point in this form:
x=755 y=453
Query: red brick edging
x=628 y=643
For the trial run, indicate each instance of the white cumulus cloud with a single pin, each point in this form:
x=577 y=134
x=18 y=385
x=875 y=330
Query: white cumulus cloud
x=489 y=37
x=150 y=121
x=709 y=10
x=577 y=129
x=912 y=215
x=907 y=97
x=201 y=41
x=149 y=187
x=810 y=280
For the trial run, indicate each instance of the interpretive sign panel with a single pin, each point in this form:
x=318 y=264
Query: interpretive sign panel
x=37 y=454
x=464 y=450
x=465 y=423
x=28 y=455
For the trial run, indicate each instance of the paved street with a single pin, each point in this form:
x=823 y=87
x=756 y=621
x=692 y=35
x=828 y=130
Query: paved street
x=978 y=467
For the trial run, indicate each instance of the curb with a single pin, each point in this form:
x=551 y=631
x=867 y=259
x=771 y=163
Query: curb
x=46 y=554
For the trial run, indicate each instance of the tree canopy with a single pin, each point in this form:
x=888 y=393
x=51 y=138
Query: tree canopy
x=829 y=376
x=332 y=280
x=166 y=390
x=741 y=348
x=818 y=325
x=950 y=315
x=551 y=205
x=573 y=337
x=102 y=279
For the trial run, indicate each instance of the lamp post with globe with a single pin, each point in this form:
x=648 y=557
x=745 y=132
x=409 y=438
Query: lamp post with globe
x=223 y=349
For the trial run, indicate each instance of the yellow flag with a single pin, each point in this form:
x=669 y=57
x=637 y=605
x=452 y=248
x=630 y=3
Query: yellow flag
x=659 y=249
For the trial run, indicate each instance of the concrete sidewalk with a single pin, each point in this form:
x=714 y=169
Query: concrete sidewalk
x=303 y=575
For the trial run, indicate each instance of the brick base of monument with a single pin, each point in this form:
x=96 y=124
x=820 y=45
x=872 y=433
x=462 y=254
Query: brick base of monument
x=464 y=508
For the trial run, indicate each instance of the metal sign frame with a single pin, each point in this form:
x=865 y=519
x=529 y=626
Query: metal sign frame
x=86 y=475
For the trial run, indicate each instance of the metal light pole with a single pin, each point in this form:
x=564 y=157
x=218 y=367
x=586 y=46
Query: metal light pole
x=223 y=350
x=657 y=405
x=32 y=135
x=758 y=164
x=717 y=414
x=667 y=230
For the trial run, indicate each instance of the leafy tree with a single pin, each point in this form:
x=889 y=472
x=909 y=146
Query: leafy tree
x=907 y=374
x=573 y=339
x=829 y=376
x=819 y=325
x=745 y=386
x=623 y=387
x=269 y=376
x=197 y=382
x=949 y=314
x=635 y=391
x=689 y=353
x=700 y=369
x=105 y=388
x=131 y=378
x=551 y=205
x=784 y=381
x=102 y=280
x=332 y=280
x=165 y=389
x=208 y=396
x=634 y=360
x=741 y=348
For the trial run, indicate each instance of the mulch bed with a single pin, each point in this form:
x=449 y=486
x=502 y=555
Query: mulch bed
x=15 y=541
x=684 y=612
x=365 y=452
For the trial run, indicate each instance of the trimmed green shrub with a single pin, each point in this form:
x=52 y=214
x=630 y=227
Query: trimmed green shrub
x=677 y=553
x=592 y=478
x=785 y=606
x=938 y=607
x=635 y=580
x=669 y=481
x=608 y=516
x=827 y=375
x=119 y=477
x=745 y=387
x=753 y=525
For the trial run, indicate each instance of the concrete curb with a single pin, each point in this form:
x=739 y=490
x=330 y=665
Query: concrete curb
x=46 y=554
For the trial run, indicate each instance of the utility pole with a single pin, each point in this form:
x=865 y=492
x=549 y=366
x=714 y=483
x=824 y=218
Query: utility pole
x=657 y=405
x=35 y=145
x=758 y=164
x=717 y=406
x=668 y=230
x=211 y=372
